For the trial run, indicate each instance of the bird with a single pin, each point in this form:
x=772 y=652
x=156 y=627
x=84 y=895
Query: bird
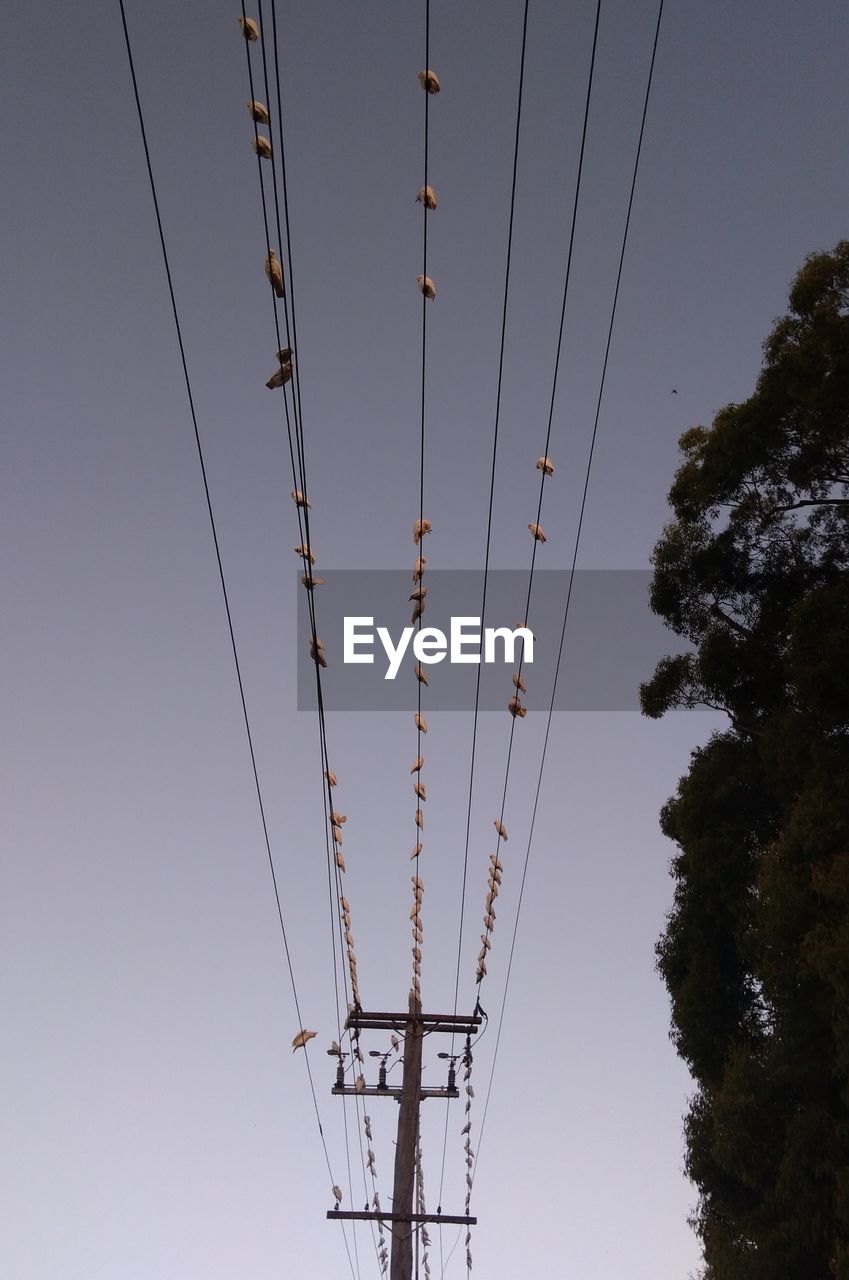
x=467 y=1128
x=367 y=1126
x=340 y=860
x=284 y=355
x=299 y=499
x=349 y=938
x=515 y=708
x=497 y=864
x=470 y=1091
x=334 y=1050
x=420 y=528
x=418 y=593
x=395 y=1042
x=250 y=30
x=261 y=146
x=538 y=532
x=486 y=942
x=274 y=271
x=417 y=883
x=519 y=683
x=310 y=582
x=301 y=1039
x=344 y=903
x=421 y=675
x=489 y=920
x=493 y=891
x=360 y=1084
x=427 y=197
x=337 y=1194
x=258 y=111
x=304 y=552
x=316 y=653
x=338 y=819
x=415 y=910
x=418 y=569
x=421 y=723
x=330 y=776
x=418 y=610
x=417 y=764
x=417 y=850
x=419 y=789
x=419 y=819
x=426 y=285
x=279 y=379
x=428 y=80
x=500 y=828
x=546 y=465
x=674 y=391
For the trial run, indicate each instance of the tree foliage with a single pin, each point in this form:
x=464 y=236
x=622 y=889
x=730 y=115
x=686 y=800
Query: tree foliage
x=754 y=570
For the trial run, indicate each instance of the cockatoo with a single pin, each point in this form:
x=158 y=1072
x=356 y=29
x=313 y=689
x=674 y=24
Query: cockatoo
x=311 y=582
x=279 y=379
x=304 y=551
x=420 y=528
x=418 y=593
x=489 y=920
x=360 y=1084
x=538 y=532
x=299 y=499
x=417 y=850
x=419 y=788
x=486 y=942
x=261 y=146
x=428 y=80
x=301 y=1039
x=338 y=819
x=420 y=819
x=419 y=568
x=274 y=272
x=258 y=111
x=514 y=706
x=316 y=652
x=425 y=283
x=340 y=860
x=500 y=828
x=546 y=465
x=421 y=723
x=418 y=610
x=426 y=196
x=330 y=776
x=395 y=1042
x=337 y=834
x=417 y=884
x=519 y=683
x=417 y=764
x=337 y=1194
x=421 y=674
x=250 y=30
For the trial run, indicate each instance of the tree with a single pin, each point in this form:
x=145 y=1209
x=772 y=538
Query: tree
x=754 y=570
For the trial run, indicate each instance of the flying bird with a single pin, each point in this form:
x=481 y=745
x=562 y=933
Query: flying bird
x=258 y=111
x=250 y=30
x=417 y=764
x=261 y=146
x=546 y=465
x=538 y=532
x=299 y=499
x=425 y=283
x=420 y=528
x=274 y=271
x=421 y=723
x=301 y=1039
x=500 y=828
x=304 y=551
x=427 y=197
x=428 y=80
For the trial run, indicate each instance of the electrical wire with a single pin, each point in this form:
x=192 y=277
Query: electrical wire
x=222 y=579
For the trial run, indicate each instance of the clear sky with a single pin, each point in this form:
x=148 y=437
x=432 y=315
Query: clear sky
x=155 y=1121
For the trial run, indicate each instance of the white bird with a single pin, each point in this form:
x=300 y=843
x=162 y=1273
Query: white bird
x=250 y=30
x=417 y=764
x=330 y=776
x=316 y=652
x=489 y=920
x=349 y=938
x=417 y=849
x=274 y=271
x=421 y=674
x=301 y=1039
x=418 y=593
x=337 y=1194
x=344 y=903
x=421 y=723
x=395 y=1042
x=311 y=582
x=258 y=111
x=419 y=568
x=418 y=610
x=338 y=818
x=419 y=788
x=417 y=884
x=340 y=860
x=425 y=283
x=367 y=1126
x=497 y=864
x=538 y=532
x=418 y=935
x=428 y=80
x=299 y=499
x=305 y=553
x=486 y=942
x=493 y=891
x=334 y=1049
x=420 y=819
x=427 y=197
x=519 y=683
x=360 y=1084
x=279 y=378
x=500 y=828
x=514 y=706
x=546 y=465
x=261 y=146
x=420 y=528
x=415 y=910
x=470 y=1091
x=337 y=834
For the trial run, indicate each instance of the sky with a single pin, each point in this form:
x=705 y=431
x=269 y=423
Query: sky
x=156 y=1123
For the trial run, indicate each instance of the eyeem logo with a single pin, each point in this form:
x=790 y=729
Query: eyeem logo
x=430 y=645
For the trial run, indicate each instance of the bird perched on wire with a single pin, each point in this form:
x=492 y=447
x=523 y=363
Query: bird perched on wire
x=317 y=652
x=420 y=528
x=311 y=583
x=418 y=610
x=299 y=499
x=274 y=271
x=360 y=1084
x=515 y=707
x=301 y=1039
x=419 y=568
x=546 y=465
x=258 y=111
x=538 y=532
x=337 y=1195
x=338 y=819
x=415 y=767
x=304 y=552
x=418 y=593
x=427 y=286
x=500 y=828
x=421 y=723
x=331 y=777
x=421 y=674
x=428 y=80
x=250 y=30
x=284 y=373
x=427 y=197
x=419 y=788
x=519 y=682
x=419 y=819
x=416 y=849
x=261 y=146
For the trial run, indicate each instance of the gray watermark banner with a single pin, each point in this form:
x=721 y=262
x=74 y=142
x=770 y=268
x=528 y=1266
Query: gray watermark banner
x=612 y=640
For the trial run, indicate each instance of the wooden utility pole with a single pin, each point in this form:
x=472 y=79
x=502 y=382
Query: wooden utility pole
x=401 y=1262
x=412 y=1025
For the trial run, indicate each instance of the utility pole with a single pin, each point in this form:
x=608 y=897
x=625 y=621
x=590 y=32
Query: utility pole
x=412 y=1025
